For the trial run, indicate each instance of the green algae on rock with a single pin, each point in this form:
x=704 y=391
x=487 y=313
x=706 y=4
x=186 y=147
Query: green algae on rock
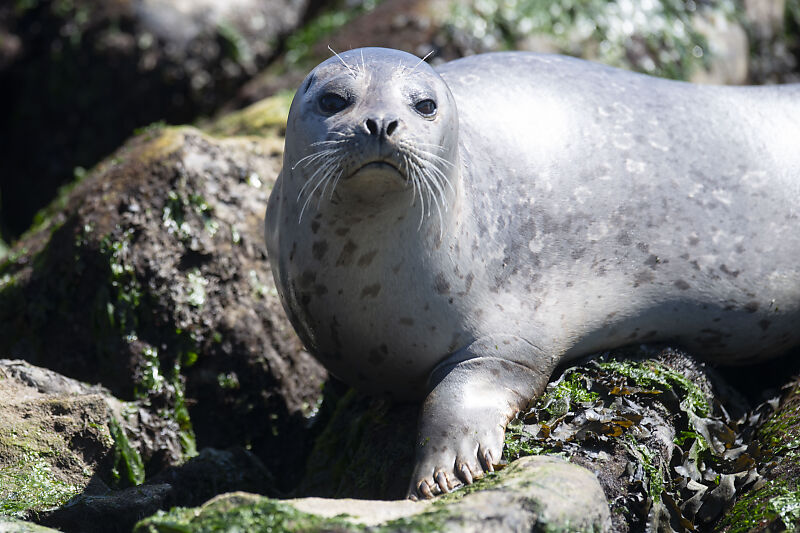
x=774 y=503
x=644 y=422
x=534 y=494
x=134 y=280
x=52 y=443
x=264 y=118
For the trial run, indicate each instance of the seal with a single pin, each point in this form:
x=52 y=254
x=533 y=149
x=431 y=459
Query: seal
x=452 y=234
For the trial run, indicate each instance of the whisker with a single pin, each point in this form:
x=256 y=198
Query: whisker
x=322 y=168
x=338 y=141
x=312 y=157
x=336 y=182
x=422 y=60
x=353 y=72
x=310 y=196
x=430 y=165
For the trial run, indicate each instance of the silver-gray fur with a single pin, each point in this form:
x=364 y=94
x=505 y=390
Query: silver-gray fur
x=548 y=209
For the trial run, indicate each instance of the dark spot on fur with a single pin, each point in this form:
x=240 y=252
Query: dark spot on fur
x=307 y=279
x=642 y=277
x=577 y=253
x=652 y=261
x=406 y=321
x=682 y=285
x=693 y=241
x=440 y=284
x=643 y=247
x=341 y=232
x=624 y=238
x=318 y=249
x=378 y=355
x=764 y=324
x=314 y=226
x=371 y=290
x=695 y=265
x=751 y=307
x=346 y=255
x=294 y=250
x=733 y=274
x=367 y=258
x=467 y=284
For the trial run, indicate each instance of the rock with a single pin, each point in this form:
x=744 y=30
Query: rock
x=774 y=29
x=11 y=525
x=53 y=441
x=727 y=47
x=150 y=277
x=201 y=478
x=702 y=41
x=649 y=423
x=532 y=494
x=365 y=451
x=214 y=472
x=115 y=512
x=77 y=77
x=772 y=504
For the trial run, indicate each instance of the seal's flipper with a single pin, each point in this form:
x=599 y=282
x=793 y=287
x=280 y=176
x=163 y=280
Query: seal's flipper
x=474 y=394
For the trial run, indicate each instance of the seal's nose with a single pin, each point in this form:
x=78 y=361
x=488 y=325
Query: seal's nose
x=381 y=127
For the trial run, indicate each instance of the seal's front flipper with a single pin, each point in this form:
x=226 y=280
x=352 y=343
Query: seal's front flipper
x=473 y=395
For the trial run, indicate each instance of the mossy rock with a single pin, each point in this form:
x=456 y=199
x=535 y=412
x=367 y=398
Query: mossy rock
x=534 y=494
x=150 y=276
x=774 y=504
x=53 y=443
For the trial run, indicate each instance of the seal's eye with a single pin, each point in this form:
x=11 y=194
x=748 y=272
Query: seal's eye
x=332 y=103
x=426 y=108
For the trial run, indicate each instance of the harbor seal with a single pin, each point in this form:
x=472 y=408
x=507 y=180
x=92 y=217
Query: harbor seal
x=453 y=234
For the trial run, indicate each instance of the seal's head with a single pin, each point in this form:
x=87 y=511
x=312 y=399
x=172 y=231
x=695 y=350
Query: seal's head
x=375 y=127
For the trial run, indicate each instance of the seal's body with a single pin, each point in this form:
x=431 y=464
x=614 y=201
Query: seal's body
x=455 y=234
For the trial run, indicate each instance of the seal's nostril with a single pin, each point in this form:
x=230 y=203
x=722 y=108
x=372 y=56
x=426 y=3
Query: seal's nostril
x=372 y=126
x=391 y=127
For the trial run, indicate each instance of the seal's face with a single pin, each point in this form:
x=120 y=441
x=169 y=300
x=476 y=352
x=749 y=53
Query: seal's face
x=372 y=126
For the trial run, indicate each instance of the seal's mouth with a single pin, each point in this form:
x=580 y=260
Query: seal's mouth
x=379 y=167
